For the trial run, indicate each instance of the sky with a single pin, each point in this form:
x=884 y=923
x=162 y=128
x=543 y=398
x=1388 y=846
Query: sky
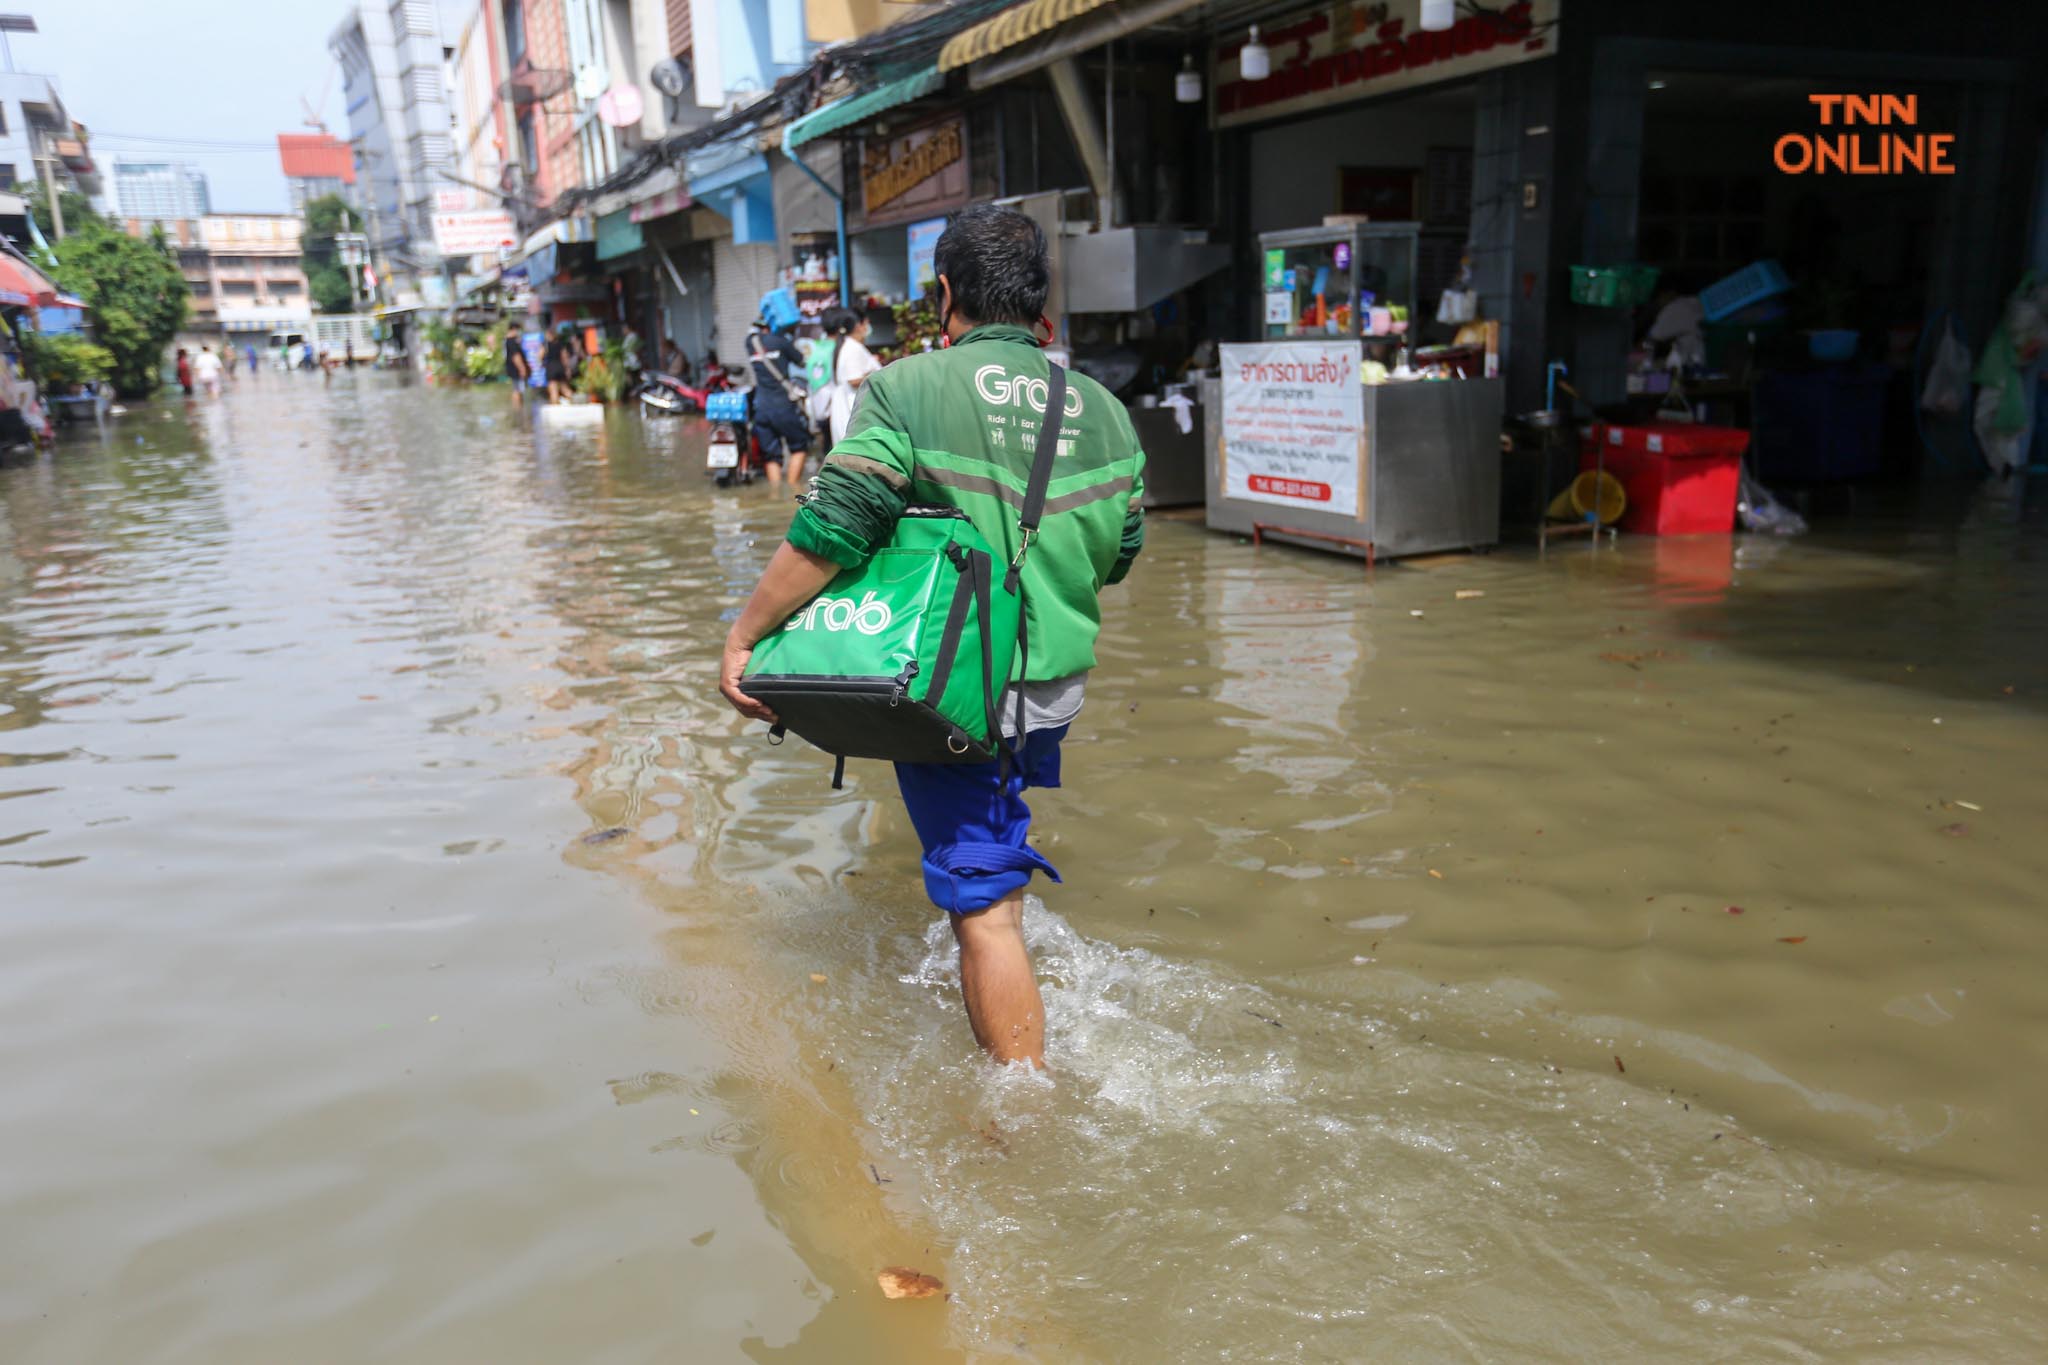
x=210 y=82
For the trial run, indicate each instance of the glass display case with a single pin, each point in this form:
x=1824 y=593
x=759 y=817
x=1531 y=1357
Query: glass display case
x=1355 y=281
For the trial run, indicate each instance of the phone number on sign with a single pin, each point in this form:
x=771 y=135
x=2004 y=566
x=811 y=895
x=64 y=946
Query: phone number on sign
x=1289 y=488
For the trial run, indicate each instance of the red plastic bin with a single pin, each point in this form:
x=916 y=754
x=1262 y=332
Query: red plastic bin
x=1681 y=479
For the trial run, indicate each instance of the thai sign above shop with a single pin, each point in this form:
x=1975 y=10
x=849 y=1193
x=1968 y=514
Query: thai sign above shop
x=1353 y=51
x=921 y=173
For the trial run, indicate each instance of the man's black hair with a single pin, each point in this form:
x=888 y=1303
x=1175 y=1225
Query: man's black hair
x=995 y=260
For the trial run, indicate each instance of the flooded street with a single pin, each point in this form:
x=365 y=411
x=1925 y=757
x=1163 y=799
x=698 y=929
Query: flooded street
x=406 y=955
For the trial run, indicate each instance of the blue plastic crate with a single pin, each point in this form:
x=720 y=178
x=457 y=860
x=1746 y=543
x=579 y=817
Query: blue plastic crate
x=1751 y=284
x=727 y=405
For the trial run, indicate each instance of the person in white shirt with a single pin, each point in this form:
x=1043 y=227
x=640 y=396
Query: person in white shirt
x=206 y=369
x=852 y=363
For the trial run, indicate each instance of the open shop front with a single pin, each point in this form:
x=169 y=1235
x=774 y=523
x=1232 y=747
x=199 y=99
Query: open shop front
x=1362 y=410
x=1784 y=253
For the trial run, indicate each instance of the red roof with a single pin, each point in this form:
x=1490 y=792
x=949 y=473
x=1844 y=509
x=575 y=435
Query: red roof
x=316 y=156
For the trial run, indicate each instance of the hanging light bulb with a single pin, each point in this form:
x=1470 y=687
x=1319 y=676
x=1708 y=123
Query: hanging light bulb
x=1438 y=15
x=1255 y=61
x=1187 y=86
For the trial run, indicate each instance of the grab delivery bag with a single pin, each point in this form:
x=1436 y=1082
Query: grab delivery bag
x=905 y=657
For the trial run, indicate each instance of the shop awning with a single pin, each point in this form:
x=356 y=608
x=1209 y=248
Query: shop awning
x=1009 y=28
x=1035 y=35
x=22 y=285
x=618 y=235
x=733 y=179
x=843 y=113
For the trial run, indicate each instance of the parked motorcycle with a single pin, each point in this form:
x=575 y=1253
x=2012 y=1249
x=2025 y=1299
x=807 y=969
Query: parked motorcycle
x=666 y=395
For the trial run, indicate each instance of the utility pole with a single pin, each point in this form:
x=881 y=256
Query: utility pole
x=48 y=162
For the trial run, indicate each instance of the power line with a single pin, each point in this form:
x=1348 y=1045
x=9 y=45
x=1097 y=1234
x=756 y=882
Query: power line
x=225 y=144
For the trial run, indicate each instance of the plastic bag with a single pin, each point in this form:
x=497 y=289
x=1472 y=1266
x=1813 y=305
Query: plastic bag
x=1948 y=378
x=1759 y=511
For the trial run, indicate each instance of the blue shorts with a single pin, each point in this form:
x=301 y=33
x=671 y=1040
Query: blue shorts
x=779 y=429
x=972 y=820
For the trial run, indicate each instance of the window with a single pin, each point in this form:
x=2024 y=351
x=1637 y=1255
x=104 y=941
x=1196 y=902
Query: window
x=515 y=32
x=3 y=119
x=6 y=175
x=285 y=289
x=529 y=146
x=238 y=289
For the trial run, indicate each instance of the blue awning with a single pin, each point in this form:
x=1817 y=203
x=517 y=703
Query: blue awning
x=842 y=113
x=733 y=180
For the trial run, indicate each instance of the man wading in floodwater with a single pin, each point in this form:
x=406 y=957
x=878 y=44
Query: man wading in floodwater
x=956 y=428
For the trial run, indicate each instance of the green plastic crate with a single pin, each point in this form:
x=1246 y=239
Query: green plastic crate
x=1613 y=286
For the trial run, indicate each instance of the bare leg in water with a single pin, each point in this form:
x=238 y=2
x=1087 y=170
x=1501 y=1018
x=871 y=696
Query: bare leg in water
x=1002 y=998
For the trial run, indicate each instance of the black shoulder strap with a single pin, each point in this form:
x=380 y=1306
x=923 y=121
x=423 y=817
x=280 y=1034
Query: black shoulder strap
x=1041 y=469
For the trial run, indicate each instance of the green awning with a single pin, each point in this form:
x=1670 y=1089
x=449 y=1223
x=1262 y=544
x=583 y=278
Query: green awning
x=844 y=113
x=618 y=235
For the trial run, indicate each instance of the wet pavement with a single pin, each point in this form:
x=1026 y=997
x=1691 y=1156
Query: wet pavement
x=405 y=955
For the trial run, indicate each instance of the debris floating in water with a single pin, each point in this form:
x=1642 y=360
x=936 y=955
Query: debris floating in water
x=604 y=836
x=1796 y=938
x=1466 y=594
x=1619 y=1067
x=901 y=1282
x=818 y=978
x=1436 y=874
x=1734 y=909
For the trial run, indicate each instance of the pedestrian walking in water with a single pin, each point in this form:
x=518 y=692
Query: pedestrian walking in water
x=185 y=371
x=515 y=368
x=249 y=350
x=229 y=358
x=779 y=401
x=206 y=369
x=558 y=362
x=958 y=428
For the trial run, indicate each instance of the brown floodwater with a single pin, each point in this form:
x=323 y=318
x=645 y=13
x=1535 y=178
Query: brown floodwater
x=405 y=955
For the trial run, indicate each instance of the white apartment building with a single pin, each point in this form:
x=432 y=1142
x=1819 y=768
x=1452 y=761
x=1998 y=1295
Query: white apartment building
x=394 y=88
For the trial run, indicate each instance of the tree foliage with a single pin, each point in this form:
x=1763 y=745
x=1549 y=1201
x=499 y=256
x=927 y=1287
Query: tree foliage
x=135 y=292
x=61 y=359
x=326 y=278
x=78 y=211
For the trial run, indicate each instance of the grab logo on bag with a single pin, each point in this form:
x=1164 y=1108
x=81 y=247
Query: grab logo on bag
x=869 y=617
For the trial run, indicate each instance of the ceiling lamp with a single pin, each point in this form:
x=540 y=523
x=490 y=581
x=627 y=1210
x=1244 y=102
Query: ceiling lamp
x=1187 y=86
x=1255 y=60
x=1438 y=15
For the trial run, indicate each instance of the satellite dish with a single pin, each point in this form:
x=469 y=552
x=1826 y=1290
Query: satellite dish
x=670 y=77
x=621 y=106
x=590 y=82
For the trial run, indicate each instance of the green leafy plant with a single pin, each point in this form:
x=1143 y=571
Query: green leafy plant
x=65 y=358
x=135 y=291
x=445 y=347
x=604 y=375
x=480 y=364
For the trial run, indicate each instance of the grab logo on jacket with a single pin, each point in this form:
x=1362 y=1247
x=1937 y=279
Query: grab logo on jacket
x=999 y=387
x=869 y=617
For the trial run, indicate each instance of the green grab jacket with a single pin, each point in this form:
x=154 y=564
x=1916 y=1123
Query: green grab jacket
x=958 y=428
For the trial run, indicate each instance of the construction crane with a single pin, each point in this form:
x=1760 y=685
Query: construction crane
x=312 y=119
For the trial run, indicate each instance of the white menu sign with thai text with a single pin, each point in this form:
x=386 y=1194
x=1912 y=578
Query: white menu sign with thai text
x=1294 y=425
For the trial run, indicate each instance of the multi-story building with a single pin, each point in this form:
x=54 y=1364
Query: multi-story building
x=34 y=124
x=244 y=270
x=160 y=190
x=394 y=87
x=316 y=165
